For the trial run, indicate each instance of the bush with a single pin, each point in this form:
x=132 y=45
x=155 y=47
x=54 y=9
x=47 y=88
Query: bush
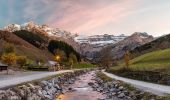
x=9 y=58
x=21 y=60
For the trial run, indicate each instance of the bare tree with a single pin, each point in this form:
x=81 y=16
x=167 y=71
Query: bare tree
x=106 y=57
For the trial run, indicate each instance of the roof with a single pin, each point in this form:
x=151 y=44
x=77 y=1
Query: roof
x=52 y=62
x=1 y=64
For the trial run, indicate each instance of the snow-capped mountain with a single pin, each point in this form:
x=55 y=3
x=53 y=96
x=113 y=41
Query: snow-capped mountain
x=99 y=40
x=31 y=26
x=129 y=43
x=12 y=27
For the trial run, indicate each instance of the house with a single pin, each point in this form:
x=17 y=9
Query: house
x=53 y=65
x=3 y=66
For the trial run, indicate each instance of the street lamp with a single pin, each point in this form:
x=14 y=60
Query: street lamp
x=58 y=59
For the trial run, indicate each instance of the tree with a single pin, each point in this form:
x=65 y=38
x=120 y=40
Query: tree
x=106 y=57
x=68 y=49
x=21 y=60
x=126 y=59
x=9 y=58
x=72 y=59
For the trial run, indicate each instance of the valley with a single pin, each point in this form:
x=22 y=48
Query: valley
x=37 y=53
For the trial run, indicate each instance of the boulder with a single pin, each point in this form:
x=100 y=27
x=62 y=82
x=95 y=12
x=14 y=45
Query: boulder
x=121 y=95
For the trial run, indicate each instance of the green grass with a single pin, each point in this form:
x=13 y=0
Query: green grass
x=164 y=98
x=153 y=61
x=104 y=77
x=83 y=65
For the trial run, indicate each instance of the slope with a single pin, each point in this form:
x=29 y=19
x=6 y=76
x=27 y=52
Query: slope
x=23 y=47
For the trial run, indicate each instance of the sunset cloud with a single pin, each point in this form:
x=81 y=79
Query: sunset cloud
x=90 y=16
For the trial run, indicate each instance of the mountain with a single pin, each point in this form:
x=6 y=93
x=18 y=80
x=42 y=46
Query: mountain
x=160 y=43
x=99 y=40
x=91 y=45
x=129 y=43
x=43 y=31
x=33 y=27
x=33 y=40
x=23 y=47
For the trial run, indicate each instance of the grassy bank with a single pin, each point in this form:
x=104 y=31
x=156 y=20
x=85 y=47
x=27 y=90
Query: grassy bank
x=152 y=67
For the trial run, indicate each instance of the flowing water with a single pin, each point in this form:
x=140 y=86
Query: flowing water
x=81 y=89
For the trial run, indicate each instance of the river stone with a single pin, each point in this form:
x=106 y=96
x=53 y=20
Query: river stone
x=90 y=83
x=113 y=93
x=121 y=88
x=31 y=86
x=44 y=83
x=44 y=92
x=33 y=97
x=57 y=86
x=2 y=95
x=121 y=95
x=15 y=97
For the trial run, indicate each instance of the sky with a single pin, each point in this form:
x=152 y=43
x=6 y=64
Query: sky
x=91 y=17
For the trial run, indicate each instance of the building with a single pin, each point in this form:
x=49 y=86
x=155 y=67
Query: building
x=3 y=66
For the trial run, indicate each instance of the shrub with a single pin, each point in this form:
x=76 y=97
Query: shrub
x=9 y=58
x=21 y=60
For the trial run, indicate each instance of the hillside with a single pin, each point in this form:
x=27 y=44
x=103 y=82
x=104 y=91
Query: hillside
x=153 y=66
x=23 y=47
x=39 y=40
x=157 y=44
x=153 y=61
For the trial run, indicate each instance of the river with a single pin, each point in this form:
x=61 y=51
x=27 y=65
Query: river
x=81 y=90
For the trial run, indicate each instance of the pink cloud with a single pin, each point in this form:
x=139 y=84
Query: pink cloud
x=83 y=18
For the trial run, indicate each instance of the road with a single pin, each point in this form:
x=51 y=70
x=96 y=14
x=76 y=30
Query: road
x=156 y=89
x=14 y=80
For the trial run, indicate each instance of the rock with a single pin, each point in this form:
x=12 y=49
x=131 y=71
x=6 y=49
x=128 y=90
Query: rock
x=121 y=88
x=10 y=92
x=2 y=95
x=44 y=83
x=33 y=97
x=128 y=98
x=113 y=94
x=44 y=92
x=48 y=97
x=31 y=86
x=46 y=88
x=121 y=95
x=90 y=83
x=15 y=97
x=102 y=98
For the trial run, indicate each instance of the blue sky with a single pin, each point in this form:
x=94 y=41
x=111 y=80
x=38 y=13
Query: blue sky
x=89 y=17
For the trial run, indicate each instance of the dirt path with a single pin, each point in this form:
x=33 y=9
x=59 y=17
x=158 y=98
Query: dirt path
x=145 y=86
x=6 y=81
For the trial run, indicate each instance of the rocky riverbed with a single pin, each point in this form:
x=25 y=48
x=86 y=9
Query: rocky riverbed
x=78 y=85
x=81 y=89
x=91 y=86
x=41 y=90
x=117 y=90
